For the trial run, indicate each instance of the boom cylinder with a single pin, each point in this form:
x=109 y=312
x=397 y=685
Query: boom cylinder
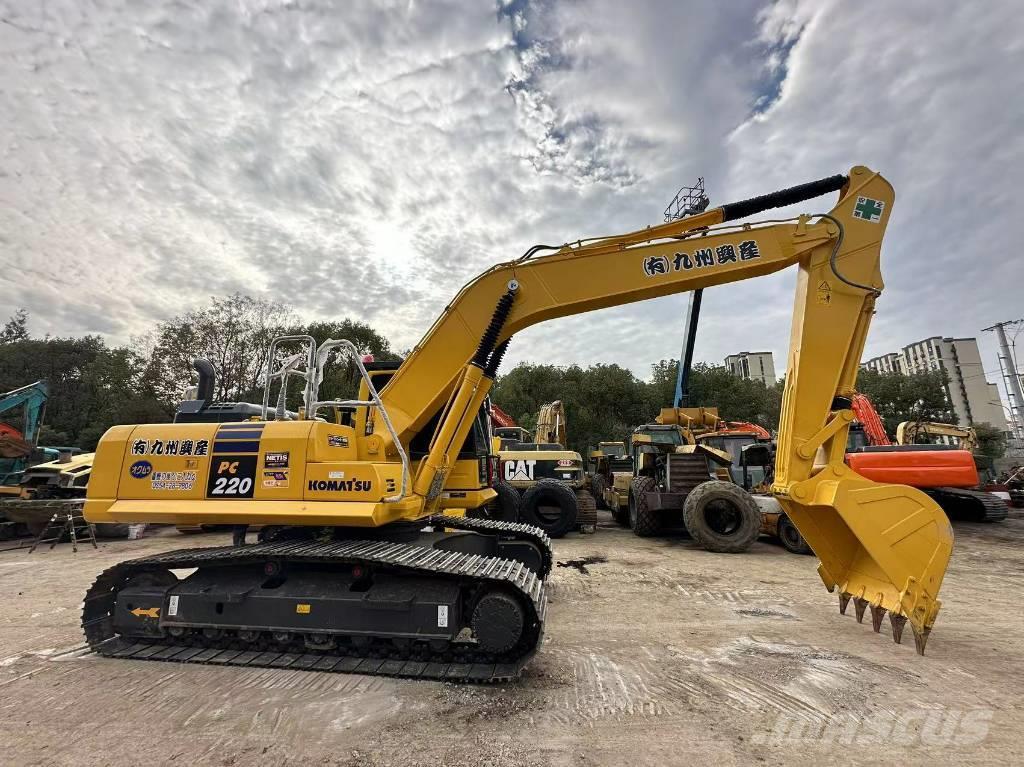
x=458 y=421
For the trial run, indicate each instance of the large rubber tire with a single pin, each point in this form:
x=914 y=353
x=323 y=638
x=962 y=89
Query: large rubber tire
x=504 y=508
x=642 y=518
x=790 y=537
x=551 y=506
x=598 y=484
x=722 y=517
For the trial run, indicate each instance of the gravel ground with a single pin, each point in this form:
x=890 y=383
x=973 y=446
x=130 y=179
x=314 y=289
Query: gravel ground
x=656 y=653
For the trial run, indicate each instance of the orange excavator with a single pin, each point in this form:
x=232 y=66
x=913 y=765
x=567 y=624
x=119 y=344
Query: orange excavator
x=501 y=419
x=948 y=474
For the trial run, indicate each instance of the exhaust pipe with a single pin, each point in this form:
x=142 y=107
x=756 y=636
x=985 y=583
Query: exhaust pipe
x=207 y=376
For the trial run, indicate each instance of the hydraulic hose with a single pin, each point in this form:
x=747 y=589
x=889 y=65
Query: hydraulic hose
x=496 y=357
x=490 y=336
x=783 y=197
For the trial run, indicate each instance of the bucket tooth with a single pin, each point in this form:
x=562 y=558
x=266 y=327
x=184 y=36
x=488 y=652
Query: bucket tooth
x=898 y=622
x=844 y=600
x=859 y=605
x=920 y=637
x=877 y=613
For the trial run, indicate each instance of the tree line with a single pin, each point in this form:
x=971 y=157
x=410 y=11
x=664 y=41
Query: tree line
x=94 y=386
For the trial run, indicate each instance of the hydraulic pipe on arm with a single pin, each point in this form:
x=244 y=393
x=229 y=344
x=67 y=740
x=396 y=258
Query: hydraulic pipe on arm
x=886 y=546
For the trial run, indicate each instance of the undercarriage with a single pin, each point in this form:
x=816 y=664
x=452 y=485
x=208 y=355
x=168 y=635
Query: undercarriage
x=970 y=505
x=463 y=605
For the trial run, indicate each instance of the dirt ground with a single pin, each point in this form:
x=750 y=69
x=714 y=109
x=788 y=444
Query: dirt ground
x=661 y=654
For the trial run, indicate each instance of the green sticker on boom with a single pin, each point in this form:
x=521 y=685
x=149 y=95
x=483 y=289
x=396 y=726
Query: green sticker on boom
x=867 y=209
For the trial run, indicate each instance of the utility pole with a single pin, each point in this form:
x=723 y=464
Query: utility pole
x=689 y=201
x=1011 y=378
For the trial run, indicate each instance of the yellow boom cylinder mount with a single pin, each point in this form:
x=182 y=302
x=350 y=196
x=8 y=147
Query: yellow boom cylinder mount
x=454 y=429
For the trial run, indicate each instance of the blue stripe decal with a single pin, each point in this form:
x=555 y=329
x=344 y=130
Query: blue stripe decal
x=239 y=434
x=222 y=448
x=241 y=425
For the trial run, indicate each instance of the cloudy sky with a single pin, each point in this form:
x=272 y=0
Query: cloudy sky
x=363 y=159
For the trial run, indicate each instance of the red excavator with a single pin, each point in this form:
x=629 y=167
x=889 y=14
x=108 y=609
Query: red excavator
x=946 y=473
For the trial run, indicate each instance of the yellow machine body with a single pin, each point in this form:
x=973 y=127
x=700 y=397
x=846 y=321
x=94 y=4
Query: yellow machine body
x=882 y=545
x=287 y=472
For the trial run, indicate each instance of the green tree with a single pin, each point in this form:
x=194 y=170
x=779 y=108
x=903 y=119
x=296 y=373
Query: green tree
x=92 y=387
x=233 y=333
x=991 y=441
x=916 y=397
x=16 y=328
x=737 y=399
x=601 y=402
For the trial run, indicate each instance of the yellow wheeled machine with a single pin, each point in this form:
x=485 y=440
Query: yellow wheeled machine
x=546 y=477
x=364 y=570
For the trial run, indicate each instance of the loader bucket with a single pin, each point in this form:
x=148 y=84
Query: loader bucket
x=883 y=546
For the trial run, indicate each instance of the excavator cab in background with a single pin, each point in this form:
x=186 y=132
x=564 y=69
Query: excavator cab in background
x=369 y=574
x=26 y=406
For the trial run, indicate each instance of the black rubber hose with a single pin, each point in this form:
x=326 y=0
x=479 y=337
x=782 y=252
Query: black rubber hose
x=783 y=197
x=490 y=336
x=499 y=353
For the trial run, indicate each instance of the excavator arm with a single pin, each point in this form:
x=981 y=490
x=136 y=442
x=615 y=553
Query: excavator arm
x=551 y=423
x=907 y=433
x=881 y=545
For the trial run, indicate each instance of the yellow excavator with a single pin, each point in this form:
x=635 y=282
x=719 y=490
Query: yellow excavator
x=361 y=568
x=914 y=432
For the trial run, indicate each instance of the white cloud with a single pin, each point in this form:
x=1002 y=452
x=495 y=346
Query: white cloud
x=365 y=159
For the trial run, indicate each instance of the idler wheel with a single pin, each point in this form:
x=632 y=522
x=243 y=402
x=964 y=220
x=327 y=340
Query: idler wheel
x=497 y=622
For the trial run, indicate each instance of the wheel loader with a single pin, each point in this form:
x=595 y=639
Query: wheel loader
x=546 y=477
x=368 y=570
x=753 y=461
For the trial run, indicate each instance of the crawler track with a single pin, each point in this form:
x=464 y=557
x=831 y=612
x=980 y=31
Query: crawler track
x=971 y=505
x=458 y=660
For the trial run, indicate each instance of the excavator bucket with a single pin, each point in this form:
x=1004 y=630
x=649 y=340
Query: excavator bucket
x=883 y=546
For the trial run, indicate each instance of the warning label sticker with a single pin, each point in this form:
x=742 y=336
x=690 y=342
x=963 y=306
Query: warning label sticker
x=824 y=293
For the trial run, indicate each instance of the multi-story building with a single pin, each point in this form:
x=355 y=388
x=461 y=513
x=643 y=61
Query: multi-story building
x=887 y=363
x=972 y=397
x=758 y=366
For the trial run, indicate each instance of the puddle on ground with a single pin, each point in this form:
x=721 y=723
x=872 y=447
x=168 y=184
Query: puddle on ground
x=581 y=563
